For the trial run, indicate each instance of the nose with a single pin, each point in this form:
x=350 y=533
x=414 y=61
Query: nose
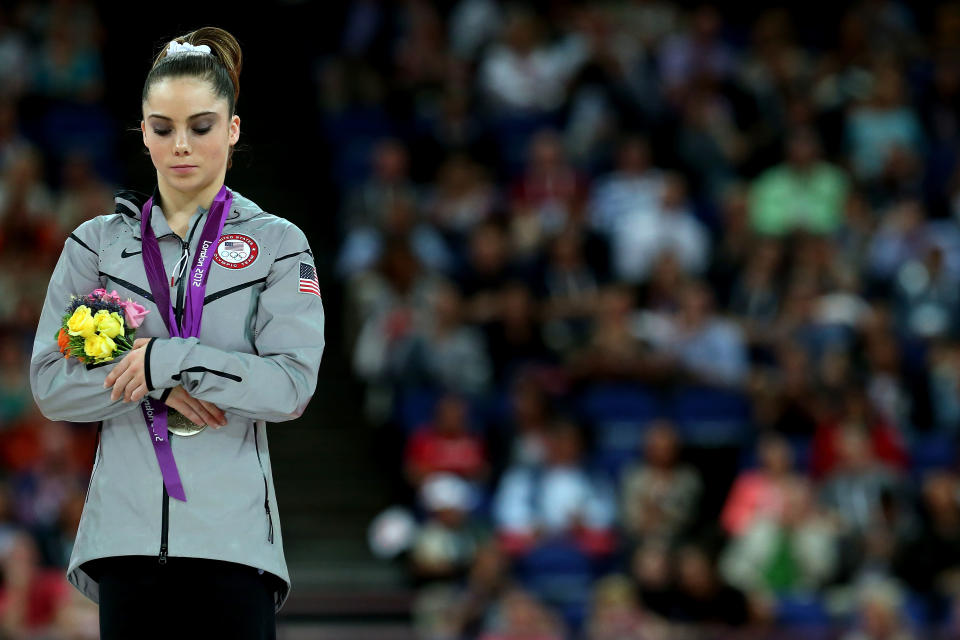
x=180 y=145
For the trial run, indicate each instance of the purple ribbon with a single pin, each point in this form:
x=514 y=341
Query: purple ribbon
x=155 y=411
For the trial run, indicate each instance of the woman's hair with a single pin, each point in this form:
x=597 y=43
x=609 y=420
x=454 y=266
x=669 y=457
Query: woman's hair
x=221 y=69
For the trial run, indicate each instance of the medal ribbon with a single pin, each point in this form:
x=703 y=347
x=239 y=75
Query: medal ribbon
x=155 y=411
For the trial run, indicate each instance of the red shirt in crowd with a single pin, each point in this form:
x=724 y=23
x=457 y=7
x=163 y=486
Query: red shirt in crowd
x=429 y=452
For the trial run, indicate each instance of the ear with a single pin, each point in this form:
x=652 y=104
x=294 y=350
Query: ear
x=143 y=130
x=234 y=129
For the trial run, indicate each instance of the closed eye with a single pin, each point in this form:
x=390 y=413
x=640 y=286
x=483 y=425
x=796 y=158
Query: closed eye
x=163 y=132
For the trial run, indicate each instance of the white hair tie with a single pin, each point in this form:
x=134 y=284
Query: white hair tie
x=179 y=48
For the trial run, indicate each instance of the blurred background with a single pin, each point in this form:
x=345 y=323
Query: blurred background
x=643 y=317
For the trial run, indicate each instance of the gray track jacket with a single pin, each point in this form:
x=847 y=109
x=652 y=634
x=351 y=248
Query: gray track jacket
x=256 y=358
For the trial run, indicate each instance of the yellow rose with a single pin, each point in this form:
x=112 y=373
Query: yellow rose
x=99 y=347
x=109 y=324
x=81 y=322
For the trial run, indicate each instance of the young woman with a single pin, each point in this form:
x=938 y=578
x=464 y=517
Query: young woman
x=180 y=531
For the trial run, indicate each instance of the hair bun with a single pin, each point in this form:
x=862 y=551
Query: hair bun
x=224 y=47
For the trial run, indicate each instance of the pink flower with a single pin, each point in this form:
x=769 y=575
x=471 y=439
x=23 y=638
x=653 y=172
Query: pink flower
x=103 y=295
x=133 y=313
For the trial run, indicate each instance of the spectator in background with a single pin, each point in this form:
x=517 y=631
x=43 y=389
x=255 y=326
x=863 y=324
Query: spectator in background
x=446 y=445
x=880 y=614
x=15 y=394
x=805 y=193
x=67 y=67
x=784 y=396
x=368 y=203
x=710 y=143
x=929 y=562
x=546 y=197
x=454 y=612
x=462 y=199
x=488 y=267
x=943 y=365
x=859 y=489
x=882 y=125
x=515 y=337
x=756 y=297
x=43 y=488
x=760 y=493
x=613 y=351
x=852 y=411
x=635 y=184
x=442 y=350
x=12 y=142
x=560 y=498
x=790 y=550
x=31 y=597
x=15 y=61
x=384 y=303
x=703 y=347
x=83 y=195
x=703 y=597
x=445 y=545
x=926 y=296
x=641 y=233
x=615 y=613
x=364 y=246
x=661 y=495
x=524 y=436
x=571 y=289
x=651 y=569
x=522 y=617
x=696 y=52
x=26 y=203
x=522 y=72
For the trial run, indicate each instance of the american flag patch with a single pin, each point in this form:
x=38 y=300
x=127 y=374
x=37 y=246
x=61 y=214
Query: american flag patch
x=308 y=280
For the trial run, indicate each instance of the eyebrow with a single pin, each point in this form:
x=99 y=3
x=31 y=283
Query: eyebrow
x=196 y=115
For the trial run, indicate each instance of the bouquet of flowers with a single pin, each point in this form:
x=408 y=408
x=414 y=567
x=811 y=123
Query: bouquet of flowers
x=99 y=326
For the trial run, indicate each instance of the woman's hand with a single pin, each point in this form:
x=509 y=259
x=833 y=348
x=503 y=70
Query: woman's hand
x=127 y=376
x=196 y=411
x=128 y=380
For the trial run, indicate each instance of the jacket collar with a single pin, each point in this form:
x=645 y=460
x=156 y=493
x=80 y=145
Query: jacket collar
x=128 y=203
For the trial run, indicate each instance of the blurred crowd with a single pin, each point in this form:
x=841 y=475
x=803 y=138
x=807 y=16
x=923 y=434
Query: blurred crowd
x=657 y=309
x=56 y=169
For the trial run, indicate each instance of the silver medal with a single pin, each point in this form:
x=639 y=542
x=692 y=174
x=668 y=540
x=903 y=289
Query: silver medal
x=178 y=424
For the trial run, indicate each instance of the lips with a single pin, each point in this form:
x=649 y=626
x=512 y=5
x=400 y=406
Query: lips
x=183 y=168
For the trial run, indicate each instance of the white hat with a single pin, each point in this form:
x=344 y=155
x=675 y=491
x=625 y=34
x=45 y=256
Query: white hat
x=447 y=491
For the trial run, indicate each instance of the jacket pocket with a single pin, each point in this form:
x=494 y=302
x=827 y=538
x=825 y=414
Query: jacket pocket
x=97 y=455
x=266 y=490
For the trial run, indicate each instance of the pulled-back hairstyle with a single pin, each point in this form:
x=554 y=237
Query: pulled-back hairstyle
x=221 y=69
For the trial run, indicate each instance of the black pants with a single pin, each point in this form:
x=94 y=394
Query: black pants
x=184 y=599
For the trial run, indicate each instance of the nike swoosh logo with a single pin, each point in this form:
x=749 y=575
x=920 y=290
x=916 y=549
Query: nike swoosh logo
x=124 y=254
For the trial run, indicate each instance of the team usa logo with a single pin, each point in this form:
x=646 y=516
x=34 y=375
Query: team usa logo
x=236 y=251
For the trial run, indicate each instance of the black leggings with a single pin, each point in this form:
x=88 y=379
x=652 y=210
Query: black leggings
x=185 y=598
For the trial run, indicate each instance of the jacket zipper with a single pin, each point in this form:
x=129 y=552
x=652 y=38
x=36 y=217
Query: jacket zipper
x=266 y=491
x=178 y=312
x=97 y=456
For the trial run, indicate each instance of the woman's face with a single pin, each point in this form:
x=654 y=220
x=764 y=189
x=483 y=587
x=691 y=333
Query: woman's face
x=188 y=132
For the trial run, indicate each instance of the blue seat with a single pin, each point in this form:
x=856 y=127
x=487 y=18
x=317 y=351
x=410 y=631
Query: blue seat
x=616 y=444
x=709 y=416
x=414 y=407
x=802 y=611
x=619 y=402
x=932 y=451
x=561 y=575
